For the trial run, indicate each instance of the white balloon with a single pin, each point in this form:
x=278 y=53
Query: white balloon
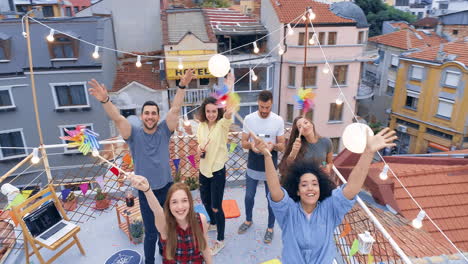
x=219 y=65
x=354 y=137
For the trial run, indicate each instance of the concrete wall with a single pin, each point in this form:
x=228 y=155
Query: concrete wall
x=137 y=26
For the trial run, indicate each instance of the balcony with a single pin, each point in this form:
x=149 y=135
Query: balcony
x=192 y=96
x=366 y=89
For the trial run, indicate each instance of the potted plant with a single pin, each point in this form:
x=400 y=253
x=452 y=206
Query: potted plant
x=137 y=231
x=102 y=202
x=193 y=185
x=70 y=202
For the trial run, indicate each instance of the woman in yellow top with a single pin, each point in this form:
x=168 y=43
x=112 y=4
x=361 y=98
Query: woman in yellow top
x=212 y=135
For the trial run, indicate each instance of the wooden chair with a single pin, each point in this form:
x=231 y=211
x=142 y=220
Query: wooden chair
x=31 y=204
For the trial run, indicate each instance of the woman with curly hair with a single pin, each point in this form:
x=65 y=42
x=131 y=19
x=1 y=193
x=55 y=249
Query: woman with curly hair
x=184 y=233
x=308 y=207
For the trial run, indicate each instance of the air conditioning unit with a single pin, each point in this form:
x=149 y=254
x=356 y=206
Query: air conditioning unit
x=402 y=128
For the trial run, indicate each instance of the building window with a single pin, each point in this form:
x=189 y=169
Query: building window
x=310 y=76
x=47 y=11
x=245 y=82
x=290 y=113
x=395 y=60
x=408 y=124
x=445 y=108
x=5 y=49
x=68 y=11
x=301 y=40
x=292 y=77
x=455 y=32
x=391 y=87
x=13 y=139
x=443 y=6
x=340 y=72
x=63 y=47
x=332 y=38
x=417 y=72
x=439 y=134
x=452 y=79
x=336 y=112
x=6 y=99
x=76 y=9
x=412 y=99
x=321 y=38
x=335 y=144
x=70 y=95
x=127 y=112
x=204 y=81
x=361 y=37
x=64 y=133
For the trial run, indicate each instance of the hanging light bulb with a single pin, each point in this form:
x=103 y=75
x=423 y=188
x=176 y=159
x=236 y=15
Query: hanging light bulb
x=95 y=152
x=50 y=37
x=256 y=49
x=290 y=30
x=312 y=40
x=35 y=158
x=339 y=100
x=311 y=14
x=280 y=50
x=138 y=63
x=96 y=52
x=383 y=175
x=304 y=18
x=417 y=222
x=326 y=69
x=25 y=35
x=180 y=66
x=254 y=77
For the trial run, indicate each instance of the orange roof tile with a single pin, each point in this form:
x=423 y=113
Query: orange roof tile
x=460 y=49
x=400 y=25
x=288 y=10
x=147 y=75
x=408 y=39
x=428 y=22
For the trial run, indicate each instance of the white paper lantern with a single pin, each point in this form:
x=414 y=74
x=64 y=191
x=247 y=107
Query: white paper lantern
x=354 y=137
x=219 y=65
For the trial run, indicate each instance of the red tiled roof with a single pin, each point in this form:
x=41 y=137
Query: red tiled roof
x=430 y=22
x=408 y=39
x=147 y=75
x=288 y=10
x=400 y=25
x=456 y=48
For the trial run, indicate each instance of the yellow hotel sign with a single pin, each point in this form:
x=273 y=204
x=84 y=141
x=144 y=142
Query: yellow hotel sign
x=200 y=67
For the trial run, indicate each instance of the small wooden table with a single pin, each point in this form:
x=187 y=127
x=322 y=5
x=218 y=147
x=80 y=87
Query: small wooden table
x=128 y=214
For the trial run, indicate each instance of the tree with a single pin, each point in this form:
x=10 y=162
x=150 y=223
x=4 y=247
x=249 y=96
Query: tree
x=377 y=12
x=216 y=3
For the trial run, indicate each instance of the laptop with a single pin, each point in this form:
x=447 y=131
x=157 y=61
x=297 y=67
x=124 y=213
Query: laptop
x=46 y=224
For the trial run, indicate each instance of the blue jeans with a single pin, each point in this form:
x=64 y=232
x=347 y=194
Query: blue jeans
x=151 y=233
x=251 y=190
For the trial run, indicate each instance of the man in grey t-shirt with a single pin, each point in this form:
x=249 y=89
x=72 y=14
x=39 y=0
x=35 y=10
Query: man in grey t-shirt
x=149 y=145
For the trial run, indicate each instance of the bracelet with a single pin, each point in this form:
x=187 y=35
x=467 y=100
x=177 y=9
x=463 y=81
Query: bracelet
x=149 y=188
x=105 y=101
x=181 y=87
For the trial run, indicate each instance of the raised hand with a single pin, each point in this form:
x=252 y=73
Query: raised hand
x=296 y=147
x=187 y=78
x=98 y=90
x=229 y=81
x=261 y=145
x=381 y=140
x=138 y=182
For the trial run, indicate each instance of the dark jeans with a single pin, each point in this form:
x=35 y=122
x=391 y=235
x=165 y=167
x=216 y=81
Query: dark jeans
x=251 y=190
x=211 y=194
x=151 y=233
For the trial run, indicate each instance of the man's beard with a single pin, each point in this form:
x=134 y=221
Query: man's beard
x=149 y=128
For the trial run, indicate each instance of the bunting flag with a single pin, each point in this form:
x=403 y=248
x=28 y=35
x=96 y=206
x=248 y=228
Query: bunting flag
x=65 y=193
x=115 y=171
x=191 y=158
x=100 y=181
x=176 y=164
x=232 y=147
x=84 y=188
x=370 y=258
x=346 y=229
x=354 y=248
x=18 y=199
x=26 y=193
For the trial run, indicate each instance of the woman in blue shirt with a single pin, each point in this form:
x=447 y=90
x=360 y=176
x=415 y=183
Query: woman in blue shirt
x=309 y=208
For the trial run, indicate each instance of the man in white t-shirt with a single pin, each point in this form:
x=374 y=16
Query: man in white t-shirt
x=270 y=127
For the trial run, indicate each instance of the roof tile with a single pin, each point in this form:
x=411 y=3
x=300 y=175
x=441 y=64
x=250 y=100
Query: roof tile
x=408 y=38
x=459 y=49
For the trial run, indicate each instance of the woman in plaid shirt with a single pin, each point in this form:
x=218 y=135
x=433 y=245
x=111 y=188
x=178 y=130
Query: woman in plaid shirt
x=183 y=232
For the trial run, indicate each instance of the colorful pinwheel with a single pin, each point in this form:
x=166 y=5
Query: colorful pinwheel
x=224 y=98
x=305 y=99
x=82 y=138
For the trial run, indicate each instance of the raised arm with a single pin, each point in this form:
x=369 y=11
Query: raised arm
x=358 y=175
x=99 y=91
x=271 y=176
x=172 y=118
x=141 y=183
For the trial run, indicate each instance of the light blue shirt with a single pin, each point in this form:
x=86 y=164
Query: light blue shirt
x=308 y=241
